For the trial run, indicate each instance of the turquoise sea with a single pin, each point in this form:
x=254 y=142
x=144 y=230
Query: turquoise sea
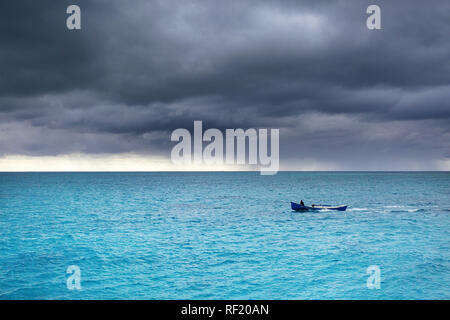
x=224 y=235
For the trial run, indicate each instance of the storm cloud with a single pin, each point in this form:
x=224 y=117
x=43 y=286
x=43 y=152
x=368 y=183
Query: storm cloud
x=341 y=94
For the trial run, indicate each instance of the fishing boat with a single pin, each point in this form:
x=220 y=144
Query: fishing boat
x=299 y=207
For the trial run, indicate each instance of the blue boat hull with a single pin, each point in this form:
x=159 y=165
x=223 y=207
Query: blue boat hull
x=299 y=207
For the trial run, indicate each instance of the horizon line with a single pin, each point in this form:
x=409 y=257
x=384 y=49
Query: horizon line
x=215 y=171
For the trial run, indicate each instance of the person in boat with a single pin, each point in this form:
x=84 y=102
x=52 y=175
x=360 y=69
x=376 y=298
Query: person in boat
x=313 y=205
x=302 y=203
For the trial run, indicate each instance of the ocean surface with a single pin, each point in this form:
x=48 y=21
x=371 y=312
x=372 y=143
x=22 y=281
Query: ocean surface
x=224 y=235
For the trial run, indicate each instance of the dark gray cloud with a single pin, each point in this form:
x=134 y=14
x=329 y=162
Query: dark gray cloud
x=137 y=70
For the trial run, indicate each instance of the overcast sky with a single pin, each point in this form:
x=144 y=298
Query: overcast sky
x=344 y=97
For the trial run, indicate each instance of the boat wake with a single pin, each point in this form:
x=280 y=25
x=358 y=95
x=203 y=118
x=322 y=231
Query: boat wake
x=358 y=209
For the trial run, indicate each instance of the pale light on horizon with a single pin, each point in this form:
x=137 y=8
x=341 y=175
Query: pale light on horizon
x=136 y=162
x=85 y=162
